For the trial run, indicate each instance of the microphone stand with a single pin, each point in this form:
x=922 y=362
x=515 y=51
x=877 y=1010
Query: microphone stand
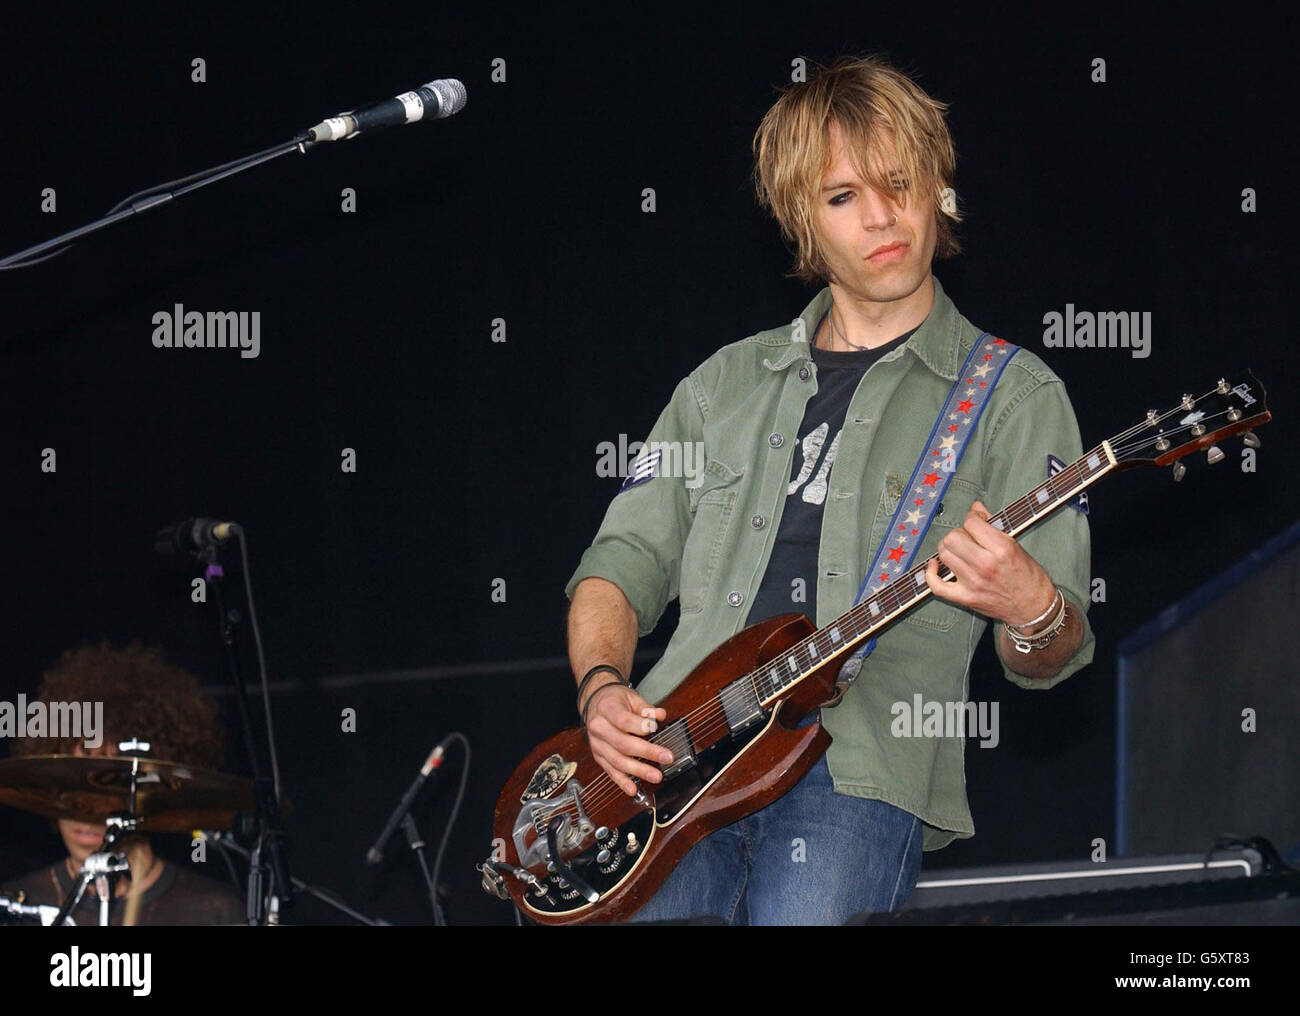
x=416 y=842
x=156 y=196
x=225 y=840
x=270 y=887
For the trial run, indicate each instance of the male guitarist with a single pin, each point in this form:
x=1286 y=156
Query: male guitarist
x=810 y=432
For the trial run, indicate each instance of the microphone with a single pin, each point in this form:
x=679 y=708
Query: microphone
x=193 y=536
x=376 y=853
x=434 y=100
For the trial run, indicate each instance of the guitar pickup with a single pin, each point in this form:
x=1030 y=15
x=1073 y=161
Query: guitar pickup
x=740 y=705
x=677 y=739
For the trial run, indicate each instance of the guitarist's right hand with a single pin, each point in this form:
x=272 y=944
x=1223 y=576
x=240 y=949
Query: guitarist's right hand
x=614 y=722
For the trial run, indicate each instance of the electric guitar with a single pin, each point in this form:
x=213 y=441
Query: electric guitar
x=580 y=850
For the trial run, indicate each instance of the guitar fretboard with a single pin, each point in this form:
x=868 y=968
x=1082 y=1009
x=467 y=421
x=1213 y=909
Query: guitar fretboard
x=897 y=594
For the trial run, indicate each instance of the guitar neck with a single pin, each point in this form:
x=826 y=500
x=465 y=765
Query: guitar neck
x=897 y=595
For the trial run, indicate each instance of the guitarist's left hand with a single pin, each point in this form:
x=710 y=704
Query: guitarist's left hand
x=995 y=576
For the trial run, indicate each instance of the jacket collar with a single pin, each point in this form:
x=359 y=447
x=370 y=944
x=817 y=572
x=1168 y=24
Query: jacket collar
x=936 y=343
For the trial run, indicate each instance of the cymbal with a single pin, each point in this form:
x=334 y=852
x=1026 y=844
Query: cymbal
x=170 y=796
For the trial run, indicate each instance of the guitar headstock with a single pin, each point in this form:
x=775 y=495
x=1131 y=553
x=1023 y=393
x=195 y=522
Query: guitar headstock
x=1232 y=406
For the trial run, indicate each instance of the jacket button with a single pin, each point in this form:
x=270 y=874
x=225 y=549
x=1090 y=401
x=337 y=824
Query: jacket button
x=804 y=373
x=775 y=440
x=758 y=521
x=735 y=598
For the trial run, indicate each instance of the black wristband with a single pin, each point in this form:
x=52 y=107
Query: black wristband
x=582 y=686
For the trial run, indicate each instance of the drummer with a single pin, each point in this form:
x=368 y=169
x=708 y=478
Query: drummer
x=147 y=698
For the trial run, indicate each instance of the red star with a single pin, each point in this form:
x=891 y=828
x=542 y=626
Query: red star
x=920 y=501
x=896 y=554
x=902 y=529
x=970 y=380
x=913 y=532
x=884 y=577
x=999 y=342
x=964 y=406
x=930 y=479
x=952 y=428
x=984 y=384
x=988 y=356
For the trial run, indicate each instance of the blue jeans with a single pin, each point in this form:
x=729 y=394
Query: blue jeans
x=810 y=857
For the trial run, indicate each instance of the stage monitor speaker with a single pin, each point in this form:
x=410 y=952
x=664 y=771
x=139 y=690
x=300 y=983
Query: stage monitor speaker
x=953 y=887
x=1208 y=708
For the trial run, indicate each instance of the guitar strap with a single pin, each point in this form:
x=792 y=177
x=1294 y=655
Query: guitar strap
x=929 y=481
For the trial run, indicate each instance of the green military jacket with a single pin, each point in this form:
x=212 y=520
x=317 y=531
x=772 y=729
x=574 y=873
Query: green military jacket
x=700 y=522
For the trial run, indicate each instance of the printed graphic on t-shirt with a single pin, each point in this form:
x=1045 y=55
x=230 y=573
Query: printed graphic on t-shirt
x=811 y=446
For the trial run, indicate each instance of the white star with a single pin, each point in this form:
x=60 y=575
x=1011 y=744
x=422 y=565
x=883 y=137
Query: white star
x=913 y=518
x=948 y=442
x=981 y=370
x=970 y=391
x=952 y=416
x=933 y=495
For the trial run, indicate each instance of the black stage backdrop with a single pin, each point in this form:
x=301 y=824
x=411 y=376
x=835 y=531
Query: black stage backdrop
x=1160 y=189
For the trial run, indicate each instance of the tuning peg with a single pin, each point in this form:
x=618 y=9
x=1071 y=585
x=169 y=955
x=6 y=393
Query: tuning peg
x=1249 y=439
x=1214 y=456
x=1180 y=471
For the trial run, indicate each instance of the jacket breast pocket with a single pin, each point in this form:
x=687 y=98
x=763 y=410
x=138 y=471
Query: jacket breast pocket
x=934 y=614
x=712 y=502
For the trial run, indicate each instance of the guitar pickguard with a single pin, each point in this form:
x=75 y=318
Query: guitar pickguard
x=680 y=788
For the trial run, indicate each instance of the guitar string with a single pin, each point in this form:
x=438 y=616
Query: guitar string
x=711 y=716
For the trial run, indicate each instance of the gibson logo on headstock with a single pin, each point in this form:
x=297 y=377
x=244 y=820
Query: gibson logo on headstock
x=1244 y=392
x=552 y=774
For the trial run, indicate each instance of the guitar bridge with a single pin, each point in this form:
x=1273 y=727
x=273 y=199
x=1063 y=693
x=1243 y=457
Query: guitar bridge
x=573 y=824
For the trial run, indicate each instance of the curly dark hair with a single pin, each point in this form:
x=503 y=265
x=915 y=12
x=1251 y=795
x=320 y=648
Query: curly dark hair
x=144 y=696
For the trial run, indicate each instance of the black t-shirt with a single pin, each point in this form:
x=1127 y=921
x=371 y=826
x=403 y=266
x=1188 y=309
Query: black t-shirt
x=177 y=897
x=790 y=582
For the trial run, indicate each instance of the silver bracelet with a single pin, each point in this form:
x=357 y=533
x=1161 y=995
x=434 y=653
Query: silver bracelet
x=1041 y=640
x=1056 y=591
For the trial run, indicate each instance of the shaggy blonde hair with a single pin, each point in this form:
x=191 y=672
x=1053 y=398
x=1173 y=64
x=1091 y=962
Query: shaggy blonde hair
x=889 y=125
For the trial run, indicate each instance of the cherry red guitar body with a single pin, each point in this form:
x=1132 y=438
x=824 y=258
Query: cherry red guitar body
x=730 y=759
